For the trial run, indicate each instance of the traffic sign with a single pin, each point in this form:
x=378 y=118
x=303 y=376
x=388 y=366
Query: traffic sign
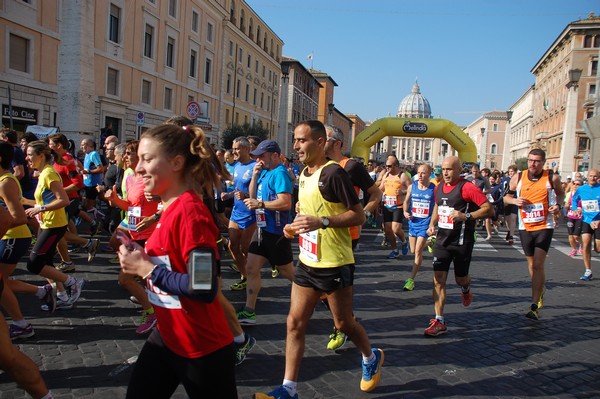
x=140 y=118
x=193 y=109
x=553 y=164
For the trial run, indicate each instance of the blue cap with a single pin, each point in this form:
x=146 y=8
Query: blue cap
x=437 y=171
x=266 y=146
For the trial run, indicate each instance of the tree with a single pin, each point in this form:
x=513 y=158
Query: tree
x=243 y=130
x=521 y=163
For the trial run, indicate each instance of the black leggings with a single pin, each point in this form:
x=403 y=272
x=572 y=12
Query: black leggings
x=158 y=372
x=44 y=249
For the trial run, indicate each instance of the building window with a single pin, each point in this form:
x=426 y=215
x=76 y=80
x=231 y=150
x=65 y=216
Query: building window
x=493 y=149
x=495 y=127
x=148 y=41
x=230 y=48
x=193 y=58
x=584 y=144
x=238 y=88
x=209 y=32
x=256 y=66
x=146 y=92
x=588 y=41
x=168 y=102
x=170 y=52
x=19 y=53
x=592 y=91
x=228 y=84
x=262 y=100
x=249 y=64
x=240 y=55
x=113 y=23
x=264 y=71
x=112 y=82
x=195 y=18
x=172 y=10
x=255 y=96
x=594 y=68
x=208 y=71
x=247 y=92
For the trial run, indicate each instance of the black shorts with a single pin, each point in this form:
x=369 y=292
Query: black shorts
x=396 y=215
x=530 y=240
x=275 y=248
x=459 y=254
x=326 y=280
x=574 y=227
x=587 y=229
x=44 y=249
x=510 y=210
x=73 y=208
x=91 y=193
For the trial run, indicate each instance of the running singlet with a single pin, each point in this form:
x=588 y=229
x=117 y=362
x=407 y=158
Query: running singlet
x=589 y=196
x=390 y=199
x=21 y=231
x=421 y=204
x=139 y=208
x=188 y=327
x=43 y=195
x=535 y=216
x=69 y=174
x=241 y=182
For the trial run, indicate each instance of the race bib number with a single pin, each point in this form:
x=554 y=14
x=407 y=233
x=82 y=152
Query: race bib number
x=533 y=213
x=420 y=209
x=156 y=296
x=391 y=201
x=590 y=205
x=134 y=213
x=261 y=219
x=308 y=243
x=444 y=219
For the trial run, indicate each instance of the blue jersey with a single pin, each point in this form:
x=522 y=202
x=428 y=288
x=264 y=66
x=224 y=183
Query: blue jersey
x=590 y=202
x=242 y=175
x=271 y=183
x=421 y=205
x=92 y=161
x=230 y=168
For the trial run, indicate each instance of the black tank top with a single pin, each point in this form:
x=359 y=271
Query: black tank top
x=449 y=232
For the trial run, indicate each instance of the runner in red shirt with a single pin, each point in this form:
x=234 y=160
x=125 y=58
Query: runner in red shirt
x=192 y=344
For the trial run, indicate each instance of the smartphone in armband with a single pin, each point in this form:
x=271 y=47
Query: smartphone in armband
x=201 y=266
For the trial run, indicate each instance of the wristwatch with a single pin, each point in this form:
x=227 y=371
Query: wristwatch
x=261 y=204
x=43 y=208
x=324 y=222
x=156 y=216
x=468 y=216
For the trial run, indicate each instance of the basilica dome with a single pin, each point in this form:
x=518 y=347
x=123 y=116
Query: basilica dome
x=415 y=105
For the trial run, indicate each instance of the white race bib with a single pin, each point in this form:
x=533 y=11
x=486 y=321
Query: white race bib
x=444 y=219
x=261 y=220
x=420 y=209
x=391 y=201
x=308 y=243
x=134 y=213
x=156 y=296
x=590 y=205
x=533 y=213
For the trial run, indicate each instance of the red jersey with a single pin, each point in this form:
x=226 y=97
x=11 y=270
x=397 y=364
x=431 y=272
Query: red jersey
x=139 y=207
x=188 y=327
x=69 y=174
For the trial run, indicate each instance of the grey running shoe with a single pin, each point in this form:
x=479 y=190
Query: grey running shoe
x=74 y=290
x=92 y=248
x=49 y=298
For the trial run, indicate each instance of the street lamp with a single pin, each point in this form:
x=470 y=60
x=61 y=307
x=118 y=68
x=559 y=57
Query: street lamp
x=483 y=147
x=330 y=108
x=574 y=76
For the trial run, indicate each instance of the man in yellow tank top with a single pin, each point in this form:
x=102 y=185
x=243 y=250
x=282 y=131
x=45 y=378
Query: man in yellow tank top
x=538 y=194
x=394 y=186
x=328 y=207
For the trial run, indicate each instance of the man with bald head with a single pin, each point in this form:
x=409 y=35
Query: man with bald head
x=589 y=196
x=458 y=204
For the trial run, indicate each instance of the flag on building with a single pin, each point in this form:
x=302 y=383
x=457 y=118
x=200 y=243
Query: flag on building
x=546 y=106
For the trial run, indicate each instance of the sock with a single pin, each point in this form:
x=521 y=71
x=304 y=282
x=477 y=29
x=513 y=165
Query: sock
x=41 y=292
x=239 y=339
x=290 y=386
x=149 y=311
x=534 y=306
x=21 y=323
x=70 y=281
x=440 y=319
x=62 y=295
x=588 y=272
x=465 y=289
x=369 y=359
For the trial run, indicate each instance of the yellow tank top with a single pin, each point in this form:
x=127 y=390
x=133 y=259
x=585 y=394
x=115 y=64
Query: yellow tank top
x=21 y=231
x=43 y=195
x=322 y=248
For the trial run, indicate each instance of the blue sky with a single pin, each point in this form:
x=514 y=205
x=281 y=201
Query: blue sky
x=469 y=56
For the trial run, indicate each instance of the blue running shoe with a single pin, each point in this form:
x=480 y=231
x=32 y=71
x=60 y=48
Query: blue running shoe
x=586 y=277
x=394 y=254
x=279 y=393
x=405 y=248
x=372 y=372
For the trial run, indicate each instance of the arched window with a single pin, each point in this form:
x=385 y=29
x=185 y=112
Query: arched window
x=258 y=35
x=493 y=149
x=242 y=27
x=251 y=29
x=232 y=12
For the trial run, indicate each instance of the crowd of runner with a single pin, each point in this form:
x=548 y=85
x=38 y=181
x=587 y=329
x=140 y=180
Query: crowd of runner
x=173 y=205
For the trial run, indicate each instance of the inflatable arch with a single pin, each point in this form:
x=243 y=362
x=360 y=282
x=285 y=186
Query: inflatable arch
x=406 y=127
